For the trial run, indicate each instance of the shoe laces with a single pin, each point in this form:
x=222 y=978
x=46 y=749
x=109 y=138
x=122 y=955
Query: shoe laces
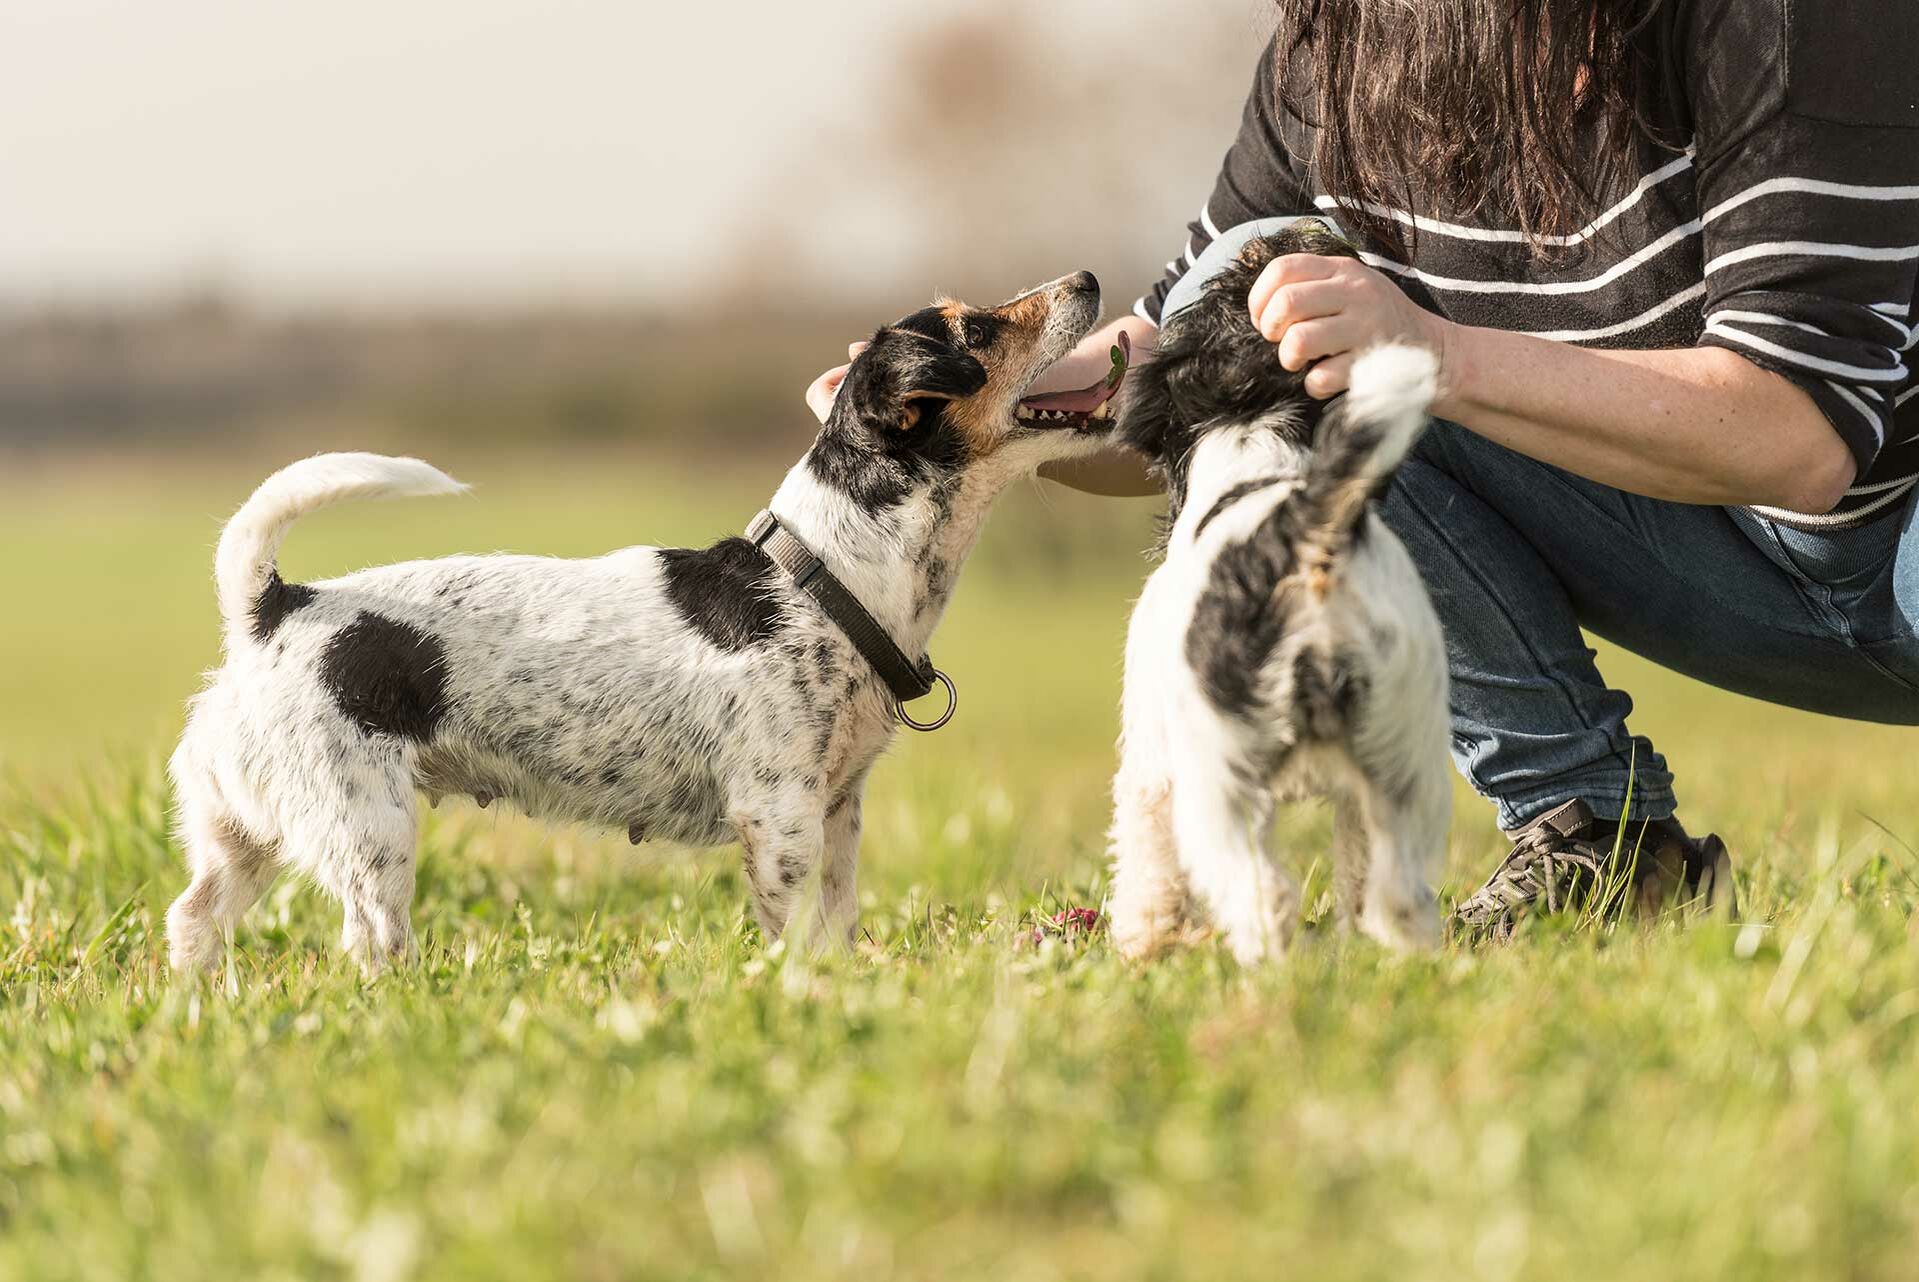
x=1543 y=864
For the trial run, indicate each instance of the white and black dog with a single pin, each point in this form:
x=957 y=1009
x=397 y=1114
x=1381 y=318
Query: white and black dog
x=702 y=696
x=1285 y=646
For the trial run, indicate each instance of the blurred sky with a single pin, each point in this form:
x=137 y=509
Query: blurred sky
x=471 y=149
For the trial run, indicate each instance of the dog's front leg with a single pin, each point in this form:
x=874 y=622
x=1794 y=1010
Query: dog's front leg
x=781 y=845
x=839 y=874
x=1149 y=890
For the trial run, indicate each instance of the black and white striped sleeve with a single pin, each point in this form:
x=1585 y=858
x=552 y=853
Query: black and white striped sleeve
x=1256 y=180
x=1806 y=124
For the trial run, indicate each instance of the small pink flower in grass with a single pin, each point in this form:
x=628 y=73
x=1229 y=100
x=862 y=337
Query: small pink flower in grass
x=1067 y=922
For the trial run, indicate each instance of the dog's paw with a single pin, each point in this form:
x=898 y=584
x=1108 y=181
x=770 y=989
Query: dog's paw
x=1139 y=935
x=1257 y=941
x=1408 y=927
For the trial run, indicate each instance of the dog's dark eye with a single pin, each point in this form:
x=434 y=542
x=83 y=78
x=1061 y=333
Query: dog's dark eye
x=978 y=333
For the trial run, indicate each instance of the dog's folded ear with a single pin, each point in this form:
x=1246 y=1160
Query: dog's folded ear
x=1307 y=236
x=1259 y=251
x=899 y=373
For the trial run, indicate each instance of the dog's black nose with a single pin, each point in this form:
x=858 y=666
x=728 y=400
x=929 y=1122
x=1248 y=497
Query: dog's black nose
x=1083 y=283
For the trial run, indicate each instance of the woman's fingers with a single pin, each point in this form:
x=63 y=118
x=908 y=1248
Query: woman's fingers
x=1302 y=301
x=1330 y=377
x=820 y=394
x=1313 y=340
x=821 y=391
x=1287 y=269
x=1319 y=311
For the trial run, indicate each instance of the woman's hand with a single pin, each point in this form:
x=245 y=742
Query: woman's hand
x=1329 y=310
x=820 y=393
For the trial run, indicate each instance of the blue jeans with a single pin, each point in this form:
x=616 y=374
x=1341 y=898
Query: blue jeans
x=1519 y=556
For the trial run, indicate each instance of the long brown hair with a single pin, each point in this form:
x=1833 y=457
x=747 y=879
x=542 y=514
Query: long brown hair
x=1517 y=109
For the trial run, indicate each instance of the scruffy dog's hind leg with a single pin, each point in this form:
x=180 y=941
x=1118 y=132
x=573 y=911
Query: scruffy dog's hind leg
x=359 y=842
x=1405 y=837
x=1352 y=852
x=1149 y=890
x=377 y=907
x=1221 y=826
x=230 y=869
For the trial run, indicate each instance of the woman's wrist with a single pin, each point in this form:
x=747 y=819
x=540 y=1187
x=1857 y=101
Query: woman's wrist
x=1455 y=346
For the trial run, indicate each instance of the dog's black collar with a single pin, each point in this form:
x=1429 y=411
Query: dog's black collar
x=906 y=679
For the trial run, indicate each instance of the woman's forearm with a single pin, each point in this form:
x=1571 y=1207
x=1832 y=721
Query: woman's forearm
x=1693 y=425
x=1117 y=473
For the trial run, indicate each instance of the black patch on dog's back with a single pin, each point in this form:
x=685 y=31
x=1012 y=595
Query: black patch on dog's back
x=1237 y=621
x=387 y=677
x=276 y=601
x=726 y=592
x=1241 y=617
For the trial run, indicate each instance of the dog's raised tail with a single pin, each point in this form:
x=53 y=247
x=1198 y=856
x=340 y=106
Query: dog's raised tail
x=1363 y=439
x=244 y=569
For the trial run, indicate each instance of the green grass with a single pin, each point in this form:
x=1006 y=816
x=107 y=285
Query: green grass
x=596 y=1071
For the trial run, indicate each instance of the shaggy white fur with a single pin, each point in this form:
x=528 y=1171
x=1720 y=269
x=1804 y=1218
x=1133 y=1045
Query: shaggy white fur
x=695 y=696
x=1348 y=700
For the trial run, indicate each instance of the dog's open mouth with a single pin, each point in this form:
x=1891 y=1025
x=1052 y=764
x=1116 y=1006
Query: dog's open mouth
x=1082 y=408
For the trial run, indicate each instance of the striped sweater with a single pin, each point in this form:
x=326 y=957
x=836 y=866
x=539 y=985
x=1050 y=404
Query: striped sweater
x=1786 y=231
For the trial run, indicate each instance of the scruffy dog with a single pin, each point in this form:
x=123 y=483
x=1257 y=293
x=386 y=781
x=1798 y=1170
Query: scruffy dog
x=1285 y=646
x=697 y=695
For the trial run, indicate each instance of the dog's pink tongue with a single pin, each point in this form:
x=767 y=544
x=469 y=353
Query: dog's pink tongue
x=1084 y=400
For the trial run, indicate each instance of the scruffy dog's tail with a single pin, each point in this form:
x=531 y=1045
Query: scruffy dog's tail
x=1360 y=442
x=244 y=568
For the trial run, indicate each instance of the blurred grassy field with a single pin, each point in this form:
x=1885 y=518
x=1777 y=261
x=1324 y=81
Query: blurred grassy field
x=596 y=1071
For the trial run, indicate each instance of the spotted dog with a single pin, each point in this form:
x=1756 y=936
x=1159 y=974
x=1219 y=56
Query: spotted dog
x=1285 y=647
x=695 y=695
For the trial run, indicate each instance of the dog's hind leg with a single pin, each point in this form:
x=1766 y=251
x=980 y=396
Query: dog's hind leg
x=1220 y=825
x=1149 y=891
x=1404 y=834
x=377 y=906
x=358 y=839
x=1352 y=852
x=231 y=870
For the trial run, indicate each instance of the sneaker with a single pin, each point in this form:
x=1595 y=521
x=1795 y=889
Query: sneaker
x=1565 y=861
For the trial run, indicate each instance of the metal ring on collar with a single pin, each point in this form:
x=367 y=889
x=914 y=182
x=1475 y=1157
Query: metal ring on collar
x=952 y=706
